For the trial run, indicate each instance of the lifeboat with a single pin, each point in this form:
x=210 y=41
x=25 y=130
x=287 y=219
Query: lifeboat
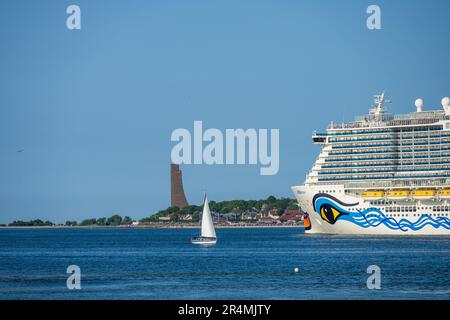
x=398 y=194
x=374 y=195
x=424 y=193
x=444 y=193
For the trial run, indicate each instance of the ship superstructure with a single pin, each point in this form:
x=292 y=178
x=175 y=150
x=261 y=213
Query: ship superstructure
x=381 y=174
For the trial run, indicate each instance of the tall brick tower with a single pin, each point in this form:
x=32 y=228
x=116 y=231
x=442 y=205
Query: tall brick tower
x=177 y=197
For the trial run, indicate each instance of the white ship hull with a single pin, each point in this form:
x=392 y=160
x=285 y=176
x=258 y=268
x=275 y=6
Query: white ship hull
x=334 y=212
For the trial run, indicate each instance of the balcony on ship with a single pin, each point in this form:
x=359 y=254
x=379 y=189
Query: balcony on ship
x=319 y=138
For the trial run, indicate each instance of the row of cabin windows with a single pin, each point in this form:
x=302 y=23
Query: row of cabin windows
x=382 y=202
x=415 y=215
x=327 y=191
x=413 y=209
x=408 y=209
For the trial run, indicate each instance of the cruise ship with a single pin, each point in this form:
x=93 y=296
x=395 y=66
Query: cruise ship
x=381 y=174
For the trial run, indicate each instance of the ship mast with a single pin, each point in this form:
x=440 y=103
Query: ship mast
x=378 y=108
x=380 y=100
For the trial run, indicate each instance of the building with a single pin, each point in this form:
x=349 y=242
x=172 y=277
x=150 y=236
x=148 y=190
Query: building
x=291 y=216
x=185 y=217
x=177 y=197
x=249 y=215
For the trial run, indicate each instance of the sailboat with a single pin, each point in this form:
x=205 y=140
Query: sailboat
x=208 y=233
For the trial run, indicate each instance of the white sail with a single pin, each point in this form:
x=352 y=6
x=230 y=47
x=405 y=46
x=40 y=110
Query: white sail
x=207 y=223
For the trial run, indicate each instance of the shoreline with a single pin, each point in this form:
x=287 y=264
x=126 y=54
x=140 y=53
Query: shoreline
x=155 y=226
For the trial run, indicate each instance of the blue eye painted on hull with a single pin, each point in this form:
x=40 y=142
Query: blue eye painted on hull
x=332 y=209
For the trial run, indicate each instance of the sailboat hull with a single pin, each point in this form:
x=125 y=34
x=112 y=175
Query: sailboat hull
x=203 y=240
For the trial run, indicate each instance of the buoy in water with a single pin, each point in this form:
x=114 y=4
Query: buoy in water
x=295 y=270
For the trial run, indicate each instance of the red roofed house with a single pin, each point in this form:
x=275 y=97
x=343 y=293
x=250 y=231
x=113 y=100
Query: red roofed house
x=292 y=216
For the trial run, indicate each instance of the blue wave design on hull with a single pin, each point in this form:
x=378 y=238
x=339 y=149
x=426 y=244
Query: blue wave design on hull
x=374 y=217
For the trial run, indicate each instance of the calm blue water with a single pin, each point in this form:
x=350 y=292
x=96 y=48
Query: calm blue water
x=245 y=264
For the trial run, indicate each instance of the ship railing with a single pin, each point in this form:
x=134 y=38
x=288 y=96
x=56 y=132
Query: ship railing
x=398 y=184
x=366 y=122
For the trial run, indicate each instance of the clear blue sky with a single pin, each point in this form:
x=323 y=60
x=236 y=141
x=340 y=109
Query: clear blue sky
x=94 y=109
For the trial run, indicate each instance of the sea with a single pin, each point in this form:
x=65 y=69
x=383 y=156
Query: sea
x=246 y=263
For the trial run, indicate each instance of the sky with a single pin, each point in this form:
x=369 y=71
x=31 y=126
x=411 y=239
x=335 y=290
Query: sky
x=93 y=109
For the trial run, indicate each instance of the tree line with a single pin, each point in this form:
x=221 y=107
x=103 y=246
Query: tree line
x=229 y=206
x=31 y=223
x=114 y=220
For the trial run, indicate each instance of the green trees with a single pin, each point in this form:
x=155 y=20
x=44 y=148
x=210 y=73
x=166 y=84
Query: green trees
x=292 y=207
x=31 y=223
x=114 y=220
x=127 y=220
x=101 y=221
x=231 y=206
x=88 y=222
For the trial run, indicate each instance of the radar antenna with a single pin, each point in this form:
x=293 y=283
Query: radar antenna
x=380 y=100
